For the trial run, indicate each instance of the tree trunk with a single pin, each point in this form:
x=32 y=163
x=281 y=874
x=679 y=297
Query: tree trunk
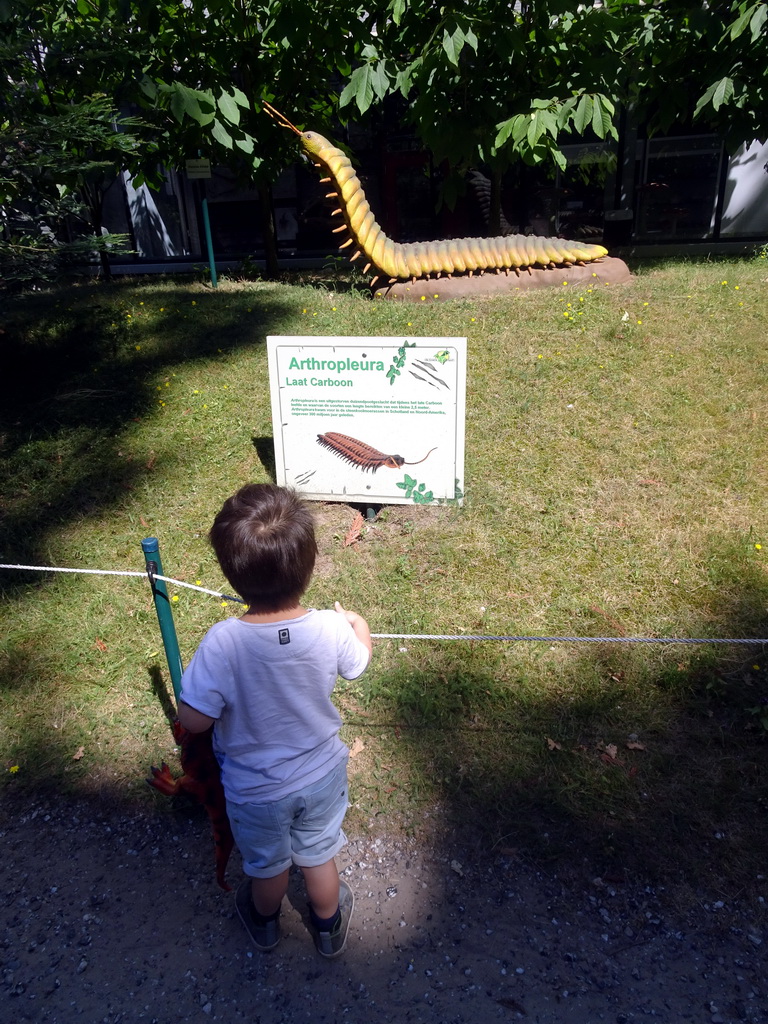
x=94 y=199
x=268 y=229
x=494 y=214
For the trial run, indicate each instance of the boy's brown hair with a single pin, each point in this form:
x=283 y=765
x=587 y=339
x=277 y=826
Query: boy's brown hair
x=264 y=540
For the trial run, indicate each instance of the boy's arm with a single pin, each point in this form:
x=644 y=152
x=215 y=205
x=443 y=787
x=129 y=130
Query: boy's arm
x=359 y=627
x=193 y=720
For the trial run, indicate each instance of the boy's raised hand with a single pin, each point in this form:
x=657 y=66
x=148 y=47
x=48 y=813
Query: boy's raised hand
x=358 y=624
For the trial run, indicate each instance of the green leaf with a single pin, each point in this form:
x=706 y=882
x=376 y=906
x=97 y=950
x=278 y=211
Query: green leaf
x=148 y=87
x=560 y=159
x=583 y=115
x=602 y=116
x=723 y=92
x=221 y=135
x=503 y=131
x=758 y=21
x=549 y=121
x=565 y=112
x=359 y=88
x=398 y=9
x=403 y=81
x=453 y=44
x=380 y=80
x=536 y=128
x=190 y=102
x=229 y=108
x=705 y=99
x=246 y=144
x=240 y=98
x=741 y=22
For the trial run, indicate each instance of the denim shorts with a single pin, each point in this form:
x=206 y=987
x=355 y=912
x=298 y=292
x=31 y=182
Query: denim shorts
x=303 y=828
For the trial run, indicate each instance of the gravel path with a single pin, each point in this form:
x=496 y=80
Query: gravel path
x=114 y=916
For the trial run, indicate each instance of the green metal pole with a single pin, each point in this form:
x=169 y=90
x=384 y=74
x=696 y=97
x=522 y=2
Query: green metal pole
x=151 y=550
x=209 y=243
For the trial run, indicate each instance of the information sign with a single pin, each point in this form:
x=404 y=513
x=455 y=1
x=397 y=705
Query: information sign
x=200 y=168
x=369 y=420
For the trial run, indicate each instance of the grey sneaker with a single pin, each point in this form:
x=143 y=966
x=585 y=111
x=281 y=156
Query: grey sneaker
x=264 y=936
x=331 y=944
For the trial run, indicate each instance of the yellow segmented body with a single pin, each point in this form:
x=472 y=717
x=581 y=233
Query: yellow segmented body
x=403 y=260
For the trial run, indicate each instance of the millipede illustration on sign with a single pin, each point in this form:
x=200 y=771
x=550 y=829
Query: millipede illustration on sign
x=411 y=260
x=357 y=453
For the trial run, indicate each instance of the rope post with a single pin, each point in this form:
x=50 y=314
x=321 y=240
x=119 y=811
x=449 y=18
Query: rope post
x=151 y=550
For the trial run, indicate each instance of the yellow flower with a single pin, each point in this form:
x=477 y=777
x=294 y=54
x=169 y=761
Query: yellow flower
x=423 y=298
x=13 y=769
x=138 y=348
x=758 y=547
x=175 y=597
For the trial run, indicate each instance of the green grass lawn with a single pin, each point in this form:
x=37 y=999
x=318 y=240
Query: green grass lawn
x=616 y=484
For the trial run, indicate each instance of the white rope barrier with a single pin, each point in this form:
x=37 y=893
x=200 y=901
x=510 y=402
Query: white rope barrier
x=423 y=636
x=128 y=572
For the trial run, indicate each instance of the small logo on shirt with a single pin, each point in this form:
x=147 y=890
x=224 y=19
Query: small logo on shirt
x=284 y=636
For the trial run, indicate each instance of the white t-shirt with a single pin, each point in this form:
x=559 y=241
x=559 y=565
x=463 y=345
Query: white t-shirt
x=268 y=685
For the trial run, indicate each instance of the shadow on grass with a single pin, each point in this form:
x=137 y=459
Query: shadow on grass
x=265 y=449
x=162 y=693
x=621 y=761
x=75 y=365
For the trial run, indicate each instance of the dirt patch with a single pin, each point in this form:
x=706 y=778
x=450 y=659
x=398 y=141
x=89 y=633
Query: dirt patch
x=609 y=270
x=113 y=915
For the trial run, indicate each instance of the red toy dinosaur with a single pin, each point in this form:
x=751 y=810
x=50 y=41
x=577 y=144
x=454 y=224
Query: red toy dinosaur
x=202 y=780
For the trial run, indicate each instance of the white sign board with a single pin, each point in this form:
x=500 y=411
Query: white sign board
x=199 y=168
x=369 y=420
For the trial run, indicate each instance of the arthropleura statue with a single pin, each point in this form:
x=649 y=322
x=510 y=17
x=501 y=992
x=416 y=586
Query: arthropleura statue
x=398 y=261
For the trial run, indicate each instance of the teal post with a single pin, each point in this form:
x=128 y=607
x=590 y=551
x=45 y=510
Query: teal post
x=151 y=550
x=209 y=243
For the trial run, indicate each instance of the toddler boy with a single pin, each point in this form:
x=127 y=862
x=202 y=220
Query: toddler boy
x=264 y=681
